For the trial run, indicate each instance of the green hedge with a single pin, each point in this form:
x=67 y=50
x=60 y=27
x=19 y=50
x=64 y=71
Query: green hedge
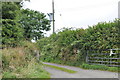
x=70 y=46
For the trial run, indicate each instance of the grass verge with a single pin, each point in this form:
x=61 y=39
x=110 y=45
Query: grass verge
x=100 y=67
x=61 y=68
x=21 y=62
x=94 y=67
x=33 y=70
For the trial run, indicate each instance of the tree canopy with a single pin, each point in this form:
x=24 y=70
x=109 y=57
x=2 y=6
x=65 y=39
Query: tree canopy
x=11 y=31
x=21 y=24
x=34 y=24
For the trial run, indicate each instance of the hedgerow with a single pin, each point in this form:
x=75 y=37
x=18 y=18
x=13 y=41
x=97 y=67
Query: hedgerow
x=70 y=46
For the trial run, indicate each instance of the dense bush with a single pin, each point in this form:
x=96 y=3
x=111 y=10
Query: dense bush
x=70 y=46
x=103 y=35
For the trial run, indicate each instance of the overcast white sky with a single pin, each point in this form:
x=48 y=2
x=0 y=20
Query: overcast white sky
x=77 y=13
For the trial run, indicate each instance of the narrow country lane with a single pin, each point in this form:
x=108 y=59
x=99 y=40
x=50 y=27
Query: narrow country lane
x=81 y=73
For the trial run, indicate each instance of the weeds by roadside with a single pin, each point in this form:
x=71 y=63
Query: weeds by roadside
x=21 y=62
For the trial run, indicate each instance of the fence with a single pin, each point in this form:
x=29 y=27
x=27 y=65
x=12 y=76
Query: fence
x=109 y=59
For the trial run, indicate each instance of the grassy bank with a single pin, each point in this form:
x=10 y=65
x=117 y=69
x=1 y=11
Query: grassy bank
x=33 y=70
x=21 y=62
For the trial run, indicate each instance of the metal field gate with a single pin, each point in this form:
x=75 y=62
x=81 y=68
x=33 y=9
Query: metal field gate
x=109 y=57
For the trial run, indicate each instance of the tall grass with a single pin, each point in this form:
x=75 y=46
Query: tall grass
x=20 y=62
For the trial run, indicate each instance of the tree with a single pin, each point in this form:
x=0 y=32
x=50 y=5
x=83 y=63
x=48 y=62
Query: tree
x=11 y=31
x=34 y=24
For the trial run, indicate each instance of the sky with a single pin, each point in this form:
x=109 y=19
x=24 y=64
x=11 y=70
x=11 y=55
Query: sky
x=76 y=13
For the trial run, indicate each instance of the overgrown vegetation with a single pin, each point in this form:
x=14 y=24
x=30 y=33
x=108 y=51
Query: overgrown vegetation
x=71 y=46
x=20 y=57
x=21 y=62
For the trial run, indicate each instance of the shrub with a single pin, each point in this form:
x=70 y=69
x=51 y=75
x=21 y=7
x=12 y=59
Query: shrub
x=70 y=46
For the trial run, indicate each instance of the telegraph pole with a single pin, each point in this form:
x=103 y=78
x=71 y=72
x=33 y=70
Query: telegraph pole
x=119 y=9
x=53 y=11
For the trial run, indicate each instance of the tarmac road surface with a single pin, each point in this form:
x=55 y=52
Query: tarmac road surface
x=81 y=73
